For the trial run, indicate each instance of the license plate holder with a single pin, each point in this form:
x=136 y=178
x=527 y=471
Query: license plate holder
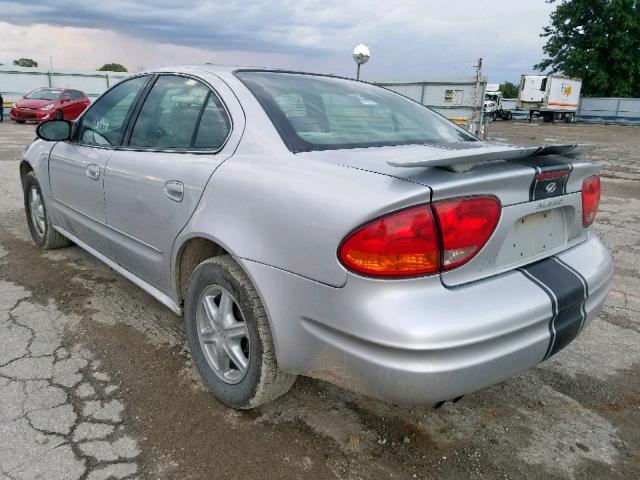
x=534 y=234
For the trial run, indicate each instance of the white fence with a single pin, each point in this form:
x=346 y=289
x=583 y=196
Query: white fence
x=614 y=110
x=609 y=110
x=455 y=99
x=16 y=81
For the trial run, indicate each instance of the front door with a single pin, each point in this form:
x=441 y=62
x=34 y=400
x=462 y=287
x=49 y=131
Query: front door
x=76 y=168
x=154 y=183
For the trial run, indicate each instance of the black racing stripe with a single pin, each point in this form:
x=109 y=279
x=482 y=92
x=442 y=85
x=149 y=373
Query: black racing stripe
x=557 y=186
x=554 y=308
x=585 y=285
x=568 y=292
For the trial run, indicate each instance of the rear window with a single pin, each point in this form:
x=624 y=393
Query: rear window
x=314 y=112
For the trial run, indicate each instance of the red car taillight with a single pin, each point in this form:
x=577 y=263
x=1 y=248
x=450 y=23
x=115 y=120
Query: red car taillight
x=401 y=244
x=411 y=242
x=590 y=199
x=465 y=225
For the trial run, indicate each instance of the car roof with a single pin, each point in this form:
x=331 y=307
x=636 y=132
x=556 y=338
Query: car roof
x=59 y=89
x=223 y=70
x=210 y=67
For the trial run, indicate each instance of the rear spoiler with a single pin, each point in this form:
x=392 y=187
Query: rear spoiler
x=461 y=157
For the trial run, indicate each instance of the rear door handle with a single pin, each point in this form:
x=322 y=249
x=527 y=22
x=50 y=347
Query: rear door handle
x=174 y=190
x=93 y=171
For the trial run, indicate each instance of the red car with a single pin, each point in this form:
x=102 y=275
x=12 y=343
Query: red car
x=47 y=103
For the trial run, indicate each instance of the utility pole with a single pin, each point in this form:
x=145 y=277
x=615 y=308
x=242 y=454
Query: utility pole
x=477 y=113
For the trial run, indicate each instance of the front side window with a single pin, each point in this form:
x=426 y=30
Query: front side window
x=313 y=112
x=170 y=114
x=104 y=123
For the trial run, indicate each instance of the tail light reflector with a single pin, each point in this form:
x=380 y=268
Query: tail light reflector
x=421 y=240
x=590 y=199
x=465 y=225
x=552 y=175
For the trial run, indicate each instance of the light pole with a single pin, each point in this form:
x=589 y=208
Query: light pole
x=360 y=55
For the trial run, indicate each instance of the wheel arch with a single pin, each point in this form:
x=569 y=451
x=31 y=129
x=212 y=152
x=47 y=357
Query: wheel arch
x=25 y=168
x=192 y=251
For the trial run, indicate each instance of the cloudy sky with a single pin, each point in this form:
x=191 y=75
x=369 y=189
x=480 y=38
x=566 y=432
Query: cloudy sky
x=409 y=39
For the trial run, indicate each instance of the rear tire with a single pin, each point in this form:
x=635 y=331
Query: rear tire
x=42 y=233
x=248 y=376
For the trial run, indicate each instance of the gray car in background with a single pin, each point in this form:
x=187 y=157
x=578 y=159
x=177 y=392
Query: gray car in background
x=308 y=224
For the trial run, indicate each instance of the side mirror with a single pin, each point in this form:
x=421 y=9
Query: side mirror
x=65 y=99
x=54 y=130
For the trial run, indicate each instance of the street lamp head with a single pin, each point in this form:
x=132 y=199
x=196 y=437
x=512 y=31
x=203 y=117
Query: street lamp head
x=361 y=54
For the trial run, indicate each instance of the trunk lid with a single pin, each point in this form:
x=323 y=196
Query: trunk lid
x=539 y=191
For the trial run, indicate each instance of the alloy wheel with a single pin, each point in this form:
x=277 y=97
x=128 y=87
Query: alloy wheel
x=223 y=334
x=36 y=210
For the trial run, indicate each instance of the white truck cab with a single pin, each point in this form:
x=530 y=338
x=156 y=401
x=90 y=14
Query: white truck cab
x=493 y=107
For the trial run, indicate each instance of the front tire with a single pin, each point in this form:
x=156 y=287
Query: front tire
x=59 y=115
x=42 y=233
x=229 y=336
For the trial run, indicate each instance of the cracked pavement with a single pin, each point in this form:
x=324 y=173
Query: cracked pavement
x=60 y=417
x=96 y=381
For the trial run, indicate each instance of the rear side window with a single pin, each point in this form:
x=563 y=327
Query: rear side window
x=172 y=112
x=314 y=112
x=104 y=122
x=214 y=126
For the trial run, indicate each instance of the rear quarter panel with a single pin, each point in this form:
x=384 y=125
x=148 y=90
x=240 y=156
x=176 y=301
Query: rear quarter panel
x=271 y=206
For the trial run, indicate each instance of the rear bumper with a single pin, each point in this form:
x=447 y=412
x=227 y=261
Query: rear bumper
x=417 y=341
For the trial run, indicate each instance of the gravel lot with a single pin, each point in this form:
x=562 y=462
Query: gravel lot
x=96 y=380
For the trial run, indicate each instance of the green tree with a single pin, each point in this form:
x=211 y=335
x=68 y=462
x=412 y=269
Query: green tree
x=509 y=90
x=597 y=41
x=113 y=67
x=25 y=62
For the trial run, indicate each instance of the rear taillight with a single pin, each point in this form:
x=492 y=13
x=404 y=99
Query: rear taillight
x=590 y=199
x=421 y=240
x=401 y=244
x=465 y=225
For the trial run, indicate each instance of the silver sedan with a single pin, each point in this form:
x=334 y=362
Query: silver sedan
x=315 y=225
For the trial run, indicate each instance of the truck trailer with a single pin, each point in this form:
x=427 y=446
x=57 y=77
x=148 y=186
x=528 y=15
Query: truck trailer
x=552 y=97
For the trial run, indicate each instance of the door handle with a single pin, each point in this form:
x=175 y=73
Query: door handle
x=174 y=190
x=93 y=171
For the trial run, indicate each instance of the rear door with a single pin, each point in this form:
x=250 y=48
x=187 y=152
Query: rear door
x=76 y=104
x=76 y=168
x=154 y=183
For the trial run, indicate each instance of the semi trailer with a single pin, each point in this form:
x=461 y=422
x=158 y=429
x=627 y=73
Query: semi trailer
x=552 y=97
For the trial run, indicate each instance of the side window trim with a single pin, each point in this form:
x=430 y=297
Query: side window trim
x=77 y=124
x=132 y=117
x=197 y=126
x=136 y=111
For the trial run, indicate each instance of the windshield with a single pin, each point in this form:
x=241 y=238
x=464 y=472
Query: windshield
x=44 y=94
x=313 y=112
